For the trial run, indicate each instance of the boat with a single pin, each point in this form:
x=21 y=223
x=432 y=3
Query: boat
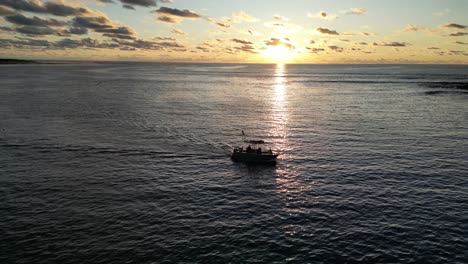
x=255 y=141
x=250 y=155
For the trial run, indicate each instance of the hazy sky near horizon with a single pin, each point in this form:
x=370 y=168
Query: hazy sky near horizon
x=300 y=31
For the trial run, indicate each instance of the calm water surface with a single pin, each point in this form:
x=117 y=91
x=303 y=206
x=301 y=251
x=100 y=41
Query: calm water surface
x=129 y=163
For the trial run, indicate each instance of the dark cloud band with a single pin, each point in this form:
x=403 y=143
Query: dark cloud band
x=177 y=12
x=57 y=9
x=19 y=19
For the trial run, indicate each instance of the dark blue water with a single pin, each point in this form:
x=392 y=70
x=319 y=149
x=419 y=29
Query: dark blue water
x=129 y=163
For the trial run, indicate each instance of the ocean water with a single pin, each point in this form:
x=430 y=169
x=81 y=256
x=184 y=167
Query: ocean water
x=129 y=163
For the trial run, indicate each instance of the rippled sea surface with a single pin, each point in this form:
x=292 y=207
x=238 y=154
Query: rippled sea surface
x=129 y=163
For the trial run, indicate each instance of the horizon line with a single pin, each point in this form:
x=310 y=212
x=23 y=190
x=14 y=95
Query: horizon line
x=32 y=60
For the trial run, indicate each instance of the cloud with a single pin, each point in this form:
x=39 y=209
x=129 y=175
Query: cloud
x=127 y=49
x=164 y=38
x=461 y=43
x=36 y=31
x=119 y=30
x=92 y=22
x=458 y=34
x=144 y=3
x=128 y=7
x=242 y=17
x=103 y=25
x=139 y=44
x=168 y=19
x=68 y=43
x=391 y=44
x=25 y=42
x=6 y=11
x=168 y=44
x=19 y=19
x=25 y=5
x=118 y=33
x=246 y=48
x=178 y=31
x=416 y=28
x=279 y=17
x=250 y=32
x=229 y=51
x=93 y=43
x=6 y=29
x=278 y=42
x=457 y=52
x=149 y=45
x=85 y=43
x=433 y=48
x=118 y=36
x=222 y=25
x=60 y=9
x=412 y=28
x=77 y=31
x=53 y=8
x=204 y=49
x=315 y=50
x=130 y=4
x=245 y=42
x=327 y=31
x=177 y=12
x=355 y=11
x=336 y=48
x=323 y=15
x=174 y=15
x=206 y=44
x=454 y=26
x=273 y=42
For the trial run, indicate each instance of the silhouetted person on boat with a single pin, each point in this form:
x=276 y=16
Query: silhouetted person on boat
x=249 y=149
x=259 y=151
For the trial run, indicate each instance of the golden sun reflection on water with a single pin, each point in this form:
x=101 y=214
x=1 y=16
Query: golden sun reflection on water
x=279 y=108
x=287 y=183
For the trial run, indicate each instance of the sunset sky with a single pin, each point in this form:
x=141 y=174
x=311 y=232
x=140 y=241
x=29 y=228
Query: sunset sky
x=293 y=31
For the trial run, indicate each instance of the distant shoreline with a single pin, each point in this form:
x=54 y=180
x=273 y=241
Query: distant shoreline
x=15 y=61
x=4 y=61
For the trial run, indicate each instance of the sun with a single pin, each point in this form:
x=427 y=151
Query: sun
x=279 y=54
